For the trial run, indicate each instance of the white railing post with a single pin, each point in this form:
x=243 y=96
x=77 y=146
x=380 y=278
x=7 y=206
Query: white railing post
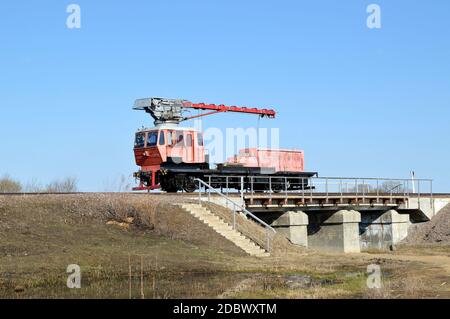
x=226 y=180
x=286 y=186
x=363 y=191
x=234 y=217
x=418 y=193
x=404 y=188
x=303 y=190
x=270 y=184
x=199 y=193
x=242 y=189
x=378 y=191
x=209 y=189
x=431 y=197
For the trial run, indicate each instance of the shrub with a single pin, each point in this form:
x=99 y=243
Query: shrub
x=8 y=185
x=34 y=186
x=67 y=185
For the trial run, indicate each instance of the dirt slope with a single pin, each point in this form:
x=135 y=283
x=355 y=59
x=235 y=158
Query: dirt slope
x=178 y=256
x=435 y=231
x=155 y=215
x=41 y=235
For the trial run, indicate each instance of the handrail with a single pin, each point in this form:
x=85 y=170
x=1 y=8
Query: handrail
x=327 y=183
x=308 y=186
x=236 y=204
x=333 y=178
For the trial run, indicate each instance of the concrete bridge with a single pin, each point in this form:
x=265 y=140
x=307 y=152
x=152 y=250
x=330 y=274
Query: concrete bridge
x=345 y=223
x=347 y=219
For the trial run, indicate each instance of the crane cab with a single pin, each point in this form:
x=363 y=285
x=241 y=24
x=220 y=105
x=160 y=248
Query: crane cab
x=166 y=147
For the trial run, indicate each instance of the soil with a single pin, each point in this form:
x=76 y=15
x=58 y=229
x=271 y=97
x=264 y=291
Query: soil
x=181 y=257
x=435 y=231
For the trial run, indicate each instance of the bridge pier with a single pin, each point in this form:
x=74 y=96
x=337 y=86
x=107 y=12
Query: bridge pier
x=334 y=231
x=293 y=225
x=381 y=230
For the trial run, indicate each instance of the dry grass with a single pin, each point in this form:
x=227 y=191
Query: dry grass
x=8 y=185
x=182 y=257
x=407 y=288
x=298 y=286
x=41 y=235
x=67 y=185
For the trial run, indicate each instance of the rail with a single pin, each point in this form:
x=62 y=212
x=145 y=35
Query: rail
x=236 y=208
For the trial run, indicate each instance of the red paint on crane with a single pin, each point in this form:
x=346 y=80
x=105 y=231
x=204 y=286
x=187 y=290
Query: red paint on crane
x=224 y=108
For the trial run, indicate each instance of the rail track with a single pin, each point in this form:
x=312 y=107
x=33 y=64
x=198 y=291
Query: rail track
x=107 y=193
x=88 y=193
x=437 y=195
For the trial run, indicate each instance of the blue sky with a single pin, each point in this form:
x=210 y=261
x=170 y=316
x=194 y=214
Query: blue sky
x=359 y=101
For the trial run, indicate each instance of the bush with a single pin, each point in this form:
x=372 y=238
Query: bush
x=34 y=186
x=8 y=185
x=67 y=185
x=120 y=184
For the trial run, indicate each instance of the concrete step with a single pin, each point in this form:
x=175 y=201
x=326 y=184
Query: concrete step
x=224 y=229
x=210 y=218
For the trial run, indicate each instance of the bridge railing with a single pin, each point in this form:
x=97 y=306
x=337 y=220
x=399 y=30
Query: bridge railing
x=324 y=186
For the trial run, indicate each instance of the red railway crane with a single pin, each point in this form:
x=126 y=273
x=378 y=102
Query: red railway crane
x=171 y=157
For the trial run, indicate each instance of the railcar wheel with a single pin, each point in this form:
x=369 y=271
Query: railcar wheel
x=168 y=185
x=189 y=185
x=170 y=189
x=189 y=188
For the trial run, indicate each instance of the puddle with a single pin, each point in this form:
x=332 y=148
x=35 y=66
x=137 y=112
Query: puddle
x=159 y=286
x=171 y=286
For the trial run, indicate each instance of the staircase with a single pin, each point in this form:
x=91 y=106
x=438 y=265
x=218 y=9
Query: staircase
x=222 y=228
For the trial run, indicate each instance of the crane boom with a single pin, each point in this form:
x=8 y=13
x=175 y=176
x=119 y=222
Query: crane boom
x=236 y=109
x=171 y=110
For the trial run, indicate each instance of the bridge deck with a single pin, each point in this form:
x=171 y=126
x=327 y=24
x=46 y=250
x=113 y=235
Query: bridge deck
x=324 y=200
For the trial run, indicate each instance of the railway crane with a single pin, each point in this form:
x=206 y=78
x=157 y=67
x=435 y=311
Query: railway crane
x=171 y=157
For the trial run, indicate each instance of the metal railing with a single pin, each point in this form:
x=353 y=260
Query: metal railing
x=360 y=188
x=237 y=208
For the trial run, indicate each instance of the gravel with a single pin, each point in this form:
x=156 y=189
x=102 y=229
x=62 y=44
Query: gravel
x=435 y=231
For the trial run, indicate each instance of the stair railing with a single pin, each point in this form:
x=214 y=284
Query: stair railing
x=236 y=208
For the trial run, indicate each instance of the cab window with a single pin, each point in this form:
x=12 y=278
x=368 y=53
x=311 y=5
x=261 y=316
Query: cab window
x=140 y=140
x=171 y=140
x=179 y=138
x=152 y=139
x=189 y=140
x=200 y=139
x=162 y=138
